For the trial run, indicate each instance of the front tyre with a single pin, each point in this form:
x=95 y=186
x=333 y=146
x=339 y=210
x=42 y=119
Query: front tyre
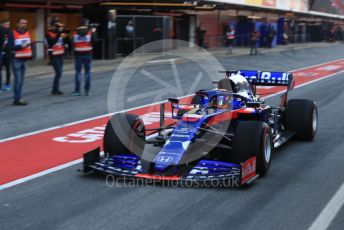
x=253 y=138
x=124 y=134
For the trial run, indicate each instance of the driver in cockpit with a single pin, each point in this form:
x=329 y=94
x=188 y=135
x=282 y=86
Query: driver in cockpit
x=215 y=103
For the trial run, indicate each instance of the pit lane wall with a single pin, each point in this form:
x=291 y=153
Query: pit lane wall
x=287 y=5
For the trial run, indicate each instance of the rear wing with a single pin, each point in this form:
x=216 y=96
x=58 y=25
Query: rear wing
x=264 y=78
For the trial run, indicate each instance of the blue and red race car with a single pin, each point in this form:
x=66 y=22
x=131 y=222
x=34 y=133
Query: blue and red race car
x=226 y=133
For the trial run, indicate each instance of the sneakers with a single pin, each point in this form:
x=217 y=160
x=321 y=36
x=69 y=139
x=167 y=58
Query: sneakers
x=7 y=87
x=57 y=93
x=75 y=94
x=19 y=102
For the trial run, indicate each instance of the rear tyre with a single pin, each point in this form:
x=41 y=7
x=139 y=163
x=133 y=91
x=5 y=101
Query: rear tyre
x=124 y=133
x=253 y=138
x=301 y=116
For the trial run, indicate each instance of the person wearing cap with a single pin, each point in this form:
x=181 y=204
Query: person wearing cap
x=56 y=50
x=84 y=37
x=22 y=53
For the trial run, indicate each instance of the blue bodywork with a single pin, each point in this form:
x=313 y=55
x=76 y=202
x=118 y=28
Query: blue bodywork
x=178 y=143
x=187 y=128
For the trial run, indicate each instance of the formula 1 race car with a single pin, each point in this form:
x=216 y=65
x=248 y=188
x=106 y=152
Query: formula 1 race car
x=224 y=133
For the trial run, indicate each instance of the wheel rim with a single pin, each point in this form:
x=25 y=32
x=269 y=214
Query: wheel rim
x=315 y=121
x=267 y=148
x=139 y=131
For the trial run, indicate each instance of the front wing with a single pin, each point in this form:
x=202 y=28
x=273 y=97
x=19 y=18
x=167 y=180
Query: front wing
x=129 y=166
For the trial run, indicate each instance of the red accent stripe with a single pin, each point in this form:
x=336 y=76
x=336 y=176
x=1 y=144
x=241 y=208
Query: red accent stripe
x=157 y=177
x=229 y=115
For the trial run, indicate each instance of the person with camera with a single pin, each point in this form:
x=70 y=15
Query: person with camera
x=84 y=37
x=55 y=42
x=22 y=53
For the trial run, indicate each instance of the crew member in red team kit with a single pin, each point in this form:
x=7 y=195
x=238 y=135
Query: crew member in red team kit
x=56 y=52
x=230 y=36
x=22 y=52
x=84 y=38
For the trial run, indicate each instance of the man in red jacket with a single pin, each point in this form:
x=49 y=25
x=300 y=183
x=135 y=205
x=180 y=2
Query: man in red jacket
x=56 y=50
x=83 y=38
x=22 y=52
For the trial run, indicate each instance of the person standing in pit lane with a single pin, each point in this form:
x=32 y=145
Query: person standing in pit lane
x=2 y=36
x=271 y=36
x=230 y=40
x=6 y=53
x=200 y=34
x=84 y=37
x=55 y=42
x=22 y=53
x=254 y=38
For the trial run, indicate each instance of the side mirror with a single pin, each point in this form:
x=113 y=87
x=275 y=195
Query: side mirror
x=252 y=104
x=173 y=100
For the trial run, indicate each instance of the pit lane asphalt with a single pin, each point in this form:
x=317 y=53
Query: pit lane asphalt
x=45 y=111
x=302 y=178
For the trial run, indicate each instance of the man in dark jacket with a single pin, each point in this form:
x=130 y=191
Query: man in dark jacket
x=2 y=36
x=55 y=42
x=271 y=36
x=254 y=38
x=200 y=33
x=129 y=38
x=6 y=53
x=83 y=38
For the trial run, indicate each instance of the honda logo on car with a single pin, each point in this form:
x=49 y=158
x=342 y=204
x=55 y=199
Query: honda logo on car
x=248 y=170
x=164 y=159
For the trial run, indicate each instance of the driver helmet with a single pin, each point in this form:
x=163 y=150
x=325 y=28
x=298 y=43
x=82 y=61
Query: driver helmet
x=240 y=85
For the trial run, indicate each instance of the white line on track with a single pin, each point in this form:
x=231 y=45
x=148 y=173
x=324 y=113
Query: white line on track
x=162 y=60
x=323 y=221
x=45 y=172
